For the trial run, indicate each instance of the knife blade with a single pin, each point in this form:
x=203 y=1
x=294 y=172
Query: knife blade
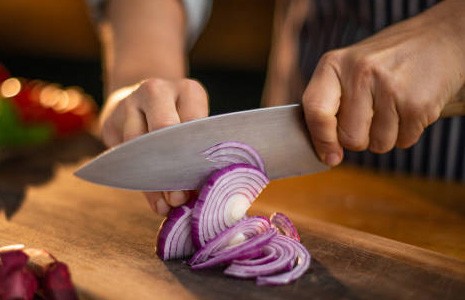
x=172 y=158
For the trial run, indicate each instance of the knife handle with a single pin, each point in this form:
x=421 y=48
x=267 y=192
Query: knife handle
x=454 y=109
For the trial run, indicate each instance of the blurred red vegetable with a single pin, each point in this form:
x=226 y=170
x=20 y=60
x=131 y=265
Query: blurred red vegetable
x=16 y=280
x=26 y=272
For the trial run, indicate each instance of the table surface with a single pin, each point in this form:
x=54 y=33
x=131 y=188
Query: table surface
x=370 y=234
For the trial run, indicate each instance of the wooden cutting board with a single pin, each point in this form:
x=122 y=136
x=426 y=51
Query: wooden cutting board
x=107 y=238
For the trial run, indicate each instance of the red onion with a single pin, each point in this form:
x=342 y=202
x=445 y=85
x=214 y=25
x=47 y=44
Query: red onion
x=16 y=281
x=229 y=153
x=224 y=200
x=284 y=225
x=23 y=273
x=217 y=226
x=300 y=267
x=283 y=261
x=13 y=260
x=242 y=241
x=57 y=282
x=174 y=237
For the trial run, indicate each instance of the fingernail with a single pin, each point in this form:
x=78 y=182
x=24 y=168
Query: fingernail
x=162 y=207
x=333 y=159
x=176 y=198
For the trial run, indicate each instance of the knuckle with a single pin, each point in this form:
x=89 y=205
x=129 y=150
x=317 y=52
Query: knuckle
x=194 y=89
x=154 y=86
x=364 y=69
x=332 y=58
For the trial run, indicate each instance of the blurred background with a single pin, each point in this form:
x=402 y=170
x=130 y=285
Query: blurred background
x=51 y=80
x=54 y=41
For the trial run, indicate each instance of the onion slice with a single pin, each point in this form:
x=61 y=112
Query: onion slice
x=228 y=153
x=283 y=260
x=174 y=238
x=284 y=225
x=224 y=200
x=231 y=238
x=302 y=264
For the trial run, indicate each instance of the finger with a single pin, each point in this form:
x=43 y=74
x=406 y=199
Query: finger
x=384 y=126
x=112 y=127
x=176 y=198
x=110 y=135
x=356 y=109
x=410 y=130
x=157 y=100
x=321 y=101
x=192 y=102
x=157 y=203
x=135 y=123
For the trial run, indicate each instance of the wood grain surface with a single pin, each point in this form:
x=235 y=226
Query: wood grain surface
x=371 y=235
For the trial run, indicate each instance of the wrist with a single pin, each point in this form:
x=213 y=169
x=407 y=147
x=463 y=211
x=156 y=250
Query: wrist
x=448 y=17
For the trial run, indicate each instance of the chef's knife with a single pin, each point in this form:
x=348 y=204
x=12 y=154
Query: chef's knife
x=172 y=158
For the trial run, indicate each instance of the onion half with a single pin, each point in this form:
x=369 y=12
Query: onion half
x=224 y=200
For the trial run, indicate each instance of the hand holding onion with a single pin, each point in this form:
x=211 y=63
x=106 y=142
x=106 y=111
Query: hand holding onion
x=149 y=105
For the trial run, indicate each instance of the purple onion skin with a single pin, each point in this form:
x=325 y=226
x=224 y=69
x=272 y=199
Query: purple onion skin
x=16 y=281
x=285 y=225
x=170 y=223
x=57 y=283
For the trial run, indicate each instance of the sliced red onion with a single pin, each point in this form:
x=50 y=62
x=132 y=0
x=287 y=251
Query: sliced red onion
x=268 y=254
x=174 y=237
x=227 y=153
x=285 y=225
x=256 y=247
x=231 y=237
x=224 y=200
x=302 y=264
x=250 y=248
x=283 y=262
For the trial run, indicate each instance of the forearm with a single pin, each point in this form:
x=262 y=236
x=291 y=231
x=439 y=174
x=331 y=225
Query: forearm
x=143 y=39
x=448 y=15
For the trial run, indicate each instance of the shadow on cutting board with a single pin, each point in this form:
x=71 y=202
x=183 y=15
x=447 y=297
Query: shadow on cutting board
x=317 y=283
x=36 y=166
